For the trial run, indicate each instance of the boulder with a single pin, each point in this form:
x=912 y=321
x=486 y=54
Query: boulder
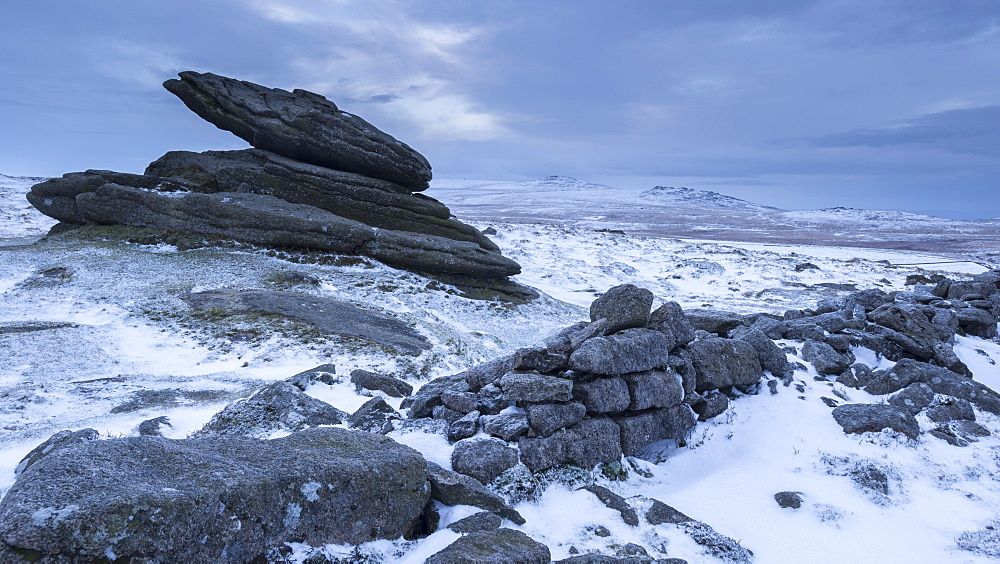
x=940 y=380
x=540 y=359
x=721 y=362
x=712 y=404
x=670 y=318
x=324 y=314
x=625 y=307
x=483 y=459
x=500 y=546
x=302 y=126
x=632 y=350
x=425 y=399
x=913 y=398
x=211 y=500
x=826 y=360
x=482 y=521
x=771 y=358
x=864 y=417
x=642 y=428
x=788 y=500
x=547 y=418
x=278 y=407
x=58 y=440
x=525 y=386
x=464 y=427
x=452 y=488
x=506 y=426
x=714 y=321
x=586 y=444
x=653 y=388
x=914 y=322
x=718 y=545
x=951 y=409
x=603 y=395
x=389 y=385
x=374 y=416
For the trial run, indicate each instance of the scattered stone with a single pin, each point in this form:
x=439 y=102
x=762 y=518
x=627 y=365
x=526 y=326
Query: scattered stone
x=424 y=400
x=788 y=500
x=324 y=373
x=393 y=387
x=374 y=416
x=278 y=407
x=151 y=427
x=616 y=502
x=826 y=360
x=464 y=427
x=452 y=488
x=863 y=418
x=500 y=546
x=482 y=521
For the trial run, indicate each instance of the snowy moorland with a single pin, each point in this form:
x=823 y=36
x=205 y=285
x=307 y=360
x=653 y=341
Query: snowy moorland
x=89 y=327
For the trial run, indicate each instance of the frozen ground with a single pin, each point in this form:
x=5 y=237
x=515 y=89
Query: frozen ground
x=700 y=214
x=117 y=328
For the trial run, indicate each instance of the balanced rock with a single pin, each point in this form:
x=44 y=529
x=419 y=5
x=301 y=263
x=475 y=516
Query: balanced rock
x=300 y=125
x=319 y=180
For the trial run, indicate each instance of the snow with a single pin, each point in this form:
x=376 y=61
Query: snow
x=127 y=331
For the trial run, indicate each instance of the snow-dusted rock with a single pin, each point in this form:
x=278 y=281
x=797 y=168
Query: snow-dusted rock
x=452 y=488
x=483 y=459
x=374 y=416
x=500 y=546
x=866 y=417
x=826 y=360
x=671 y=319
x=547 y=418
x=724 y=362
x=390 y=385
x=632 y=350
x=300 y=125
x=220 y=499
x=625 y=307
x=278 y=407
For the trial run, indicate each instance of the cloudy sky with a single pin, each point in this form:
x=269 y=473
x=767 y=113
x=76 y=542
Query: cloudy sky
x=891 y=104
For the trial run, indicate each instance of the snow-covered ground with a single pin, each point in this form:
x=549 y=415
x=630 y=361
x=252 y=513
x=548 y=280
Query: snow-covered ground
x=126 y=331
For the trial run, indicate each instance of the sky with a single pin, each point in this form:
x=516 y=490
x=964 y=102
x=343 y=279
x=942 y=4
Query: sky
x=884 y=104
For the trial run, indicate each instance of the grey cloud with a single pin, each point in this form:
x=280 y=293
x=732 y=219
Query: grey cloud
x=971 y=130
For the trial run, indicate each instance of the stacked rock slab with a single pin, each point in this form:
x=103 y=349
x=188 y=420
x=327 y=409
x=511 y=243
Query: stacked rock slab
x=595 y=391
x=318 y=179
